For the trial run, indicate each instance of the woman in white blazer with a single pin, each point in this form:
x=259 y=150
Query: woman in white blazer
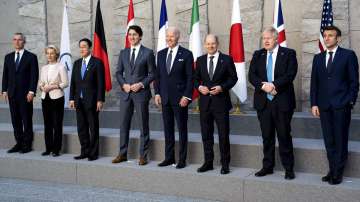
x=53 y=80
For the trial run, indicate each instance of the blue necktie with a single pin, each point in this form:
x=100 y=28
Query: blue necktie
x=17 y=61
x=269 y=71
x=83 y=69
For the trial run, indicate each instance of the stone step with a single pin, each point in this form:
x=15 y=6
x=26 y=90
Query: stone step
x=303 y=124
x=246 y=151
x=240 y=185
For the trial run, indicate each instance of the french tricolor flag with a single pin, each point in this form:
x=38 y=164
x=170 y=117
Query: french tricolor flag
x=279 y=23
x=163 y=25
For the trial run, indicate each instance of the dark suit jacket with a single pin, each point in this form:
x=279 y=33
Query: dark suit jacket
x=93 y=84
x=19 y=83
x=172 y=87
x=143 y=71
x=285 y=71
x=224 y=75
x=340 y=86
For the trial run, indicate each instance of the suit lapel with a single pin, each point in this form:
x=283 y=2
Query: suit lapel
x=218 y=66
x=263 y=59
x=335 y=60
x=177 y=56
x=88 y=67
x=22 y=60
x=279 y=58
x=138 y=58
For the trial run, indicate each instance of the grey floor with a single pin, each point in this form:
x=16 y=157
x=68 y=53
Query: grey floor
x=15 y=190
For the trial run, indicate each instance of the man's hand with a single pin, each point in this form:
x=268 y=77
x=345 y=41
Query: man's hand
x=183 y=102
x=158 y=100
x=215 y=90
x=29 y=97
x=267 y=87
x=315 y=111
x=72 y=104
x=126 y=88
x=273 y=92
x=204 y=90
x=99 y=106
x=5 y=96
x=136 y=87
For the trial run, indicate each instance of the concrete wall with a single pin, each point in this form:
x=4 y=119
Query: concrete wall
x=41 y=20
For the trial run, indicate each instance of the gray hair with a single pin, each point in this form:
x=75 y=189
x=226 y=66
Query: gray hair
x=271 y=30
x=212 y=35
x=22 y=36
x=175 y=30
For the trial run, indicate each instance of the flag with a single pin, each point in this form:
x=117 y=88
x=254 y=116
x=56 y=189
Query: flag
x=130 y=21
x=99 y=49
x=65 y=53
x=163 y=25
x=236 y=50
x=279 y=23
x=195 y=39
x=326 y=20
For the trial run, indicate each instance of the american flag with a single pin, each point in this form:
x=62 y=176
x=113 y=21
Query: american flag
x=279 y=23
x=326 y=20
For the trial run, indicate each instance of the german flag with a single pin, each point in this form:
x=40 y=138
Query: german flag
x=100 y=50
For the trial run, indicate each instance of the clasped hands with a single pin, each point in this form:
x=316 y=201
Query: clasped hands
x=212 y=91
x=269 y=87
x=133 y=87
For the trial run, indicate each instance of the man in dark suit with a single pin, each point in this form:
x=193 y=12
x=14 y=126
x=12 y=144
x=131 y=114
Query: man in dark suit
x=214 y=76
x=87 y=94
x=334 y=90
x=272 y=71
x=135 y=72
x=173 y=91
x=19 y=83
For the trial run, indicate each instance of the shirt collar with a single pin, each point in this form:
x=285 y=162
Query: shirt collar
x=137 y=47
x=216 y=54
x=333 y=50
x=20 y=52
x=175 y=49
x=274 y=50
x=87 y=59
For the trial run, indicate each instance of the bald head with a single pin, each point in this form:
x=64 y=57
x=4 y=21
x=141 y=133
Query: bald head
x=172 y=36
x=211 y=44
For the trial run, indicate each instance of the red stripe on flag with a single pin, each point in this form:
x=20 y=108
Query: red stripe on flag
x=281 y=37
x=100 y=53
x=195 y=93
x=129 y=18
x=321 y=47
x=236 y=49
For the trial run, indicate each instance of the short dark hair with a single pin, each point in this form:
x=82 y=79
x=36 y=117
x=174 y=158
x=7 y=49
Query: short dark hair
x=137 y=29
x=332 y=27
x=87 y=41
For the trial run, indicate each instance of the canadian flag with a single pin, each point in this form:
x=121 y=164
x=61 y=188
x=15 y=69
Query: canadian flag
x=236 y=50
x=130 y=21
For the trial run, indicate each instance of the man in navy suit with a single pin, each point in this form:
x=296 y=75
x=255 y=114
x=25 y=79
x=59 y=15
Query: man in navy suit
x=272 y=71
x=214 y=76
x=173 y=91
x=334 y=89
x=19 y=83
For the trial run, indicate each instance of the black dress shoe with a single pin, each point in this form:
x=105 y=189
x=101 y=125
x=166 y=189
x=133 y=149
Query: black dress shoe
x=205 y=167
x=289 y=175
x=55 y=154
x=326 y=178
x=263 y=172
x=225 y=170
x=92 y=158
x=335 y=180
x=14 y=149
x=181 y=165
x=166 y=163
x=82 y=156
x=45 y=153
x=25 y=150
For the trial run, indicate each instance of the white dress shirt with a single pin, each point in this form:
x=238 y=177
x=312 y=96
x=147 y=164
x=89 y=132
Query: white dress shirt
x=174 y=52
x=21 y=52
x=87 y=59
x=274 y=55
x=215 y=61
x=328 y=55
x=137 y=49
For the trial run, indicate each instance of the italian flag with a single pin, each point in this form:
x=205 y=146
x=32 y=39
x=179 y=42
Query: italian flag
x=195 y=39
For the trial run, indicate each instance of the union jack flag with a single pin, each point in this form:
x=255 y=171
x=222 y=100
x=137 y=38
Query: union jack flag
x=279 y=23
x=326 y=20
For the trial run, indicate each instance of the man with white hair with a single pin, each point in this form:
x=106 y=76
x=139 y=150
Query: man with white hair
x=272 y=72
x=173 y=92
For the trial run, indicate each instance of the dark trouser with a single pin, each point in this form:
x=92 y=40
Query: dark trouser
x=21 y=118
x=142 y=113
x=221 y=119
x=53 y=112
x=180 y=114
x=335 y=125
x=88 y=129
x=271 y=120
